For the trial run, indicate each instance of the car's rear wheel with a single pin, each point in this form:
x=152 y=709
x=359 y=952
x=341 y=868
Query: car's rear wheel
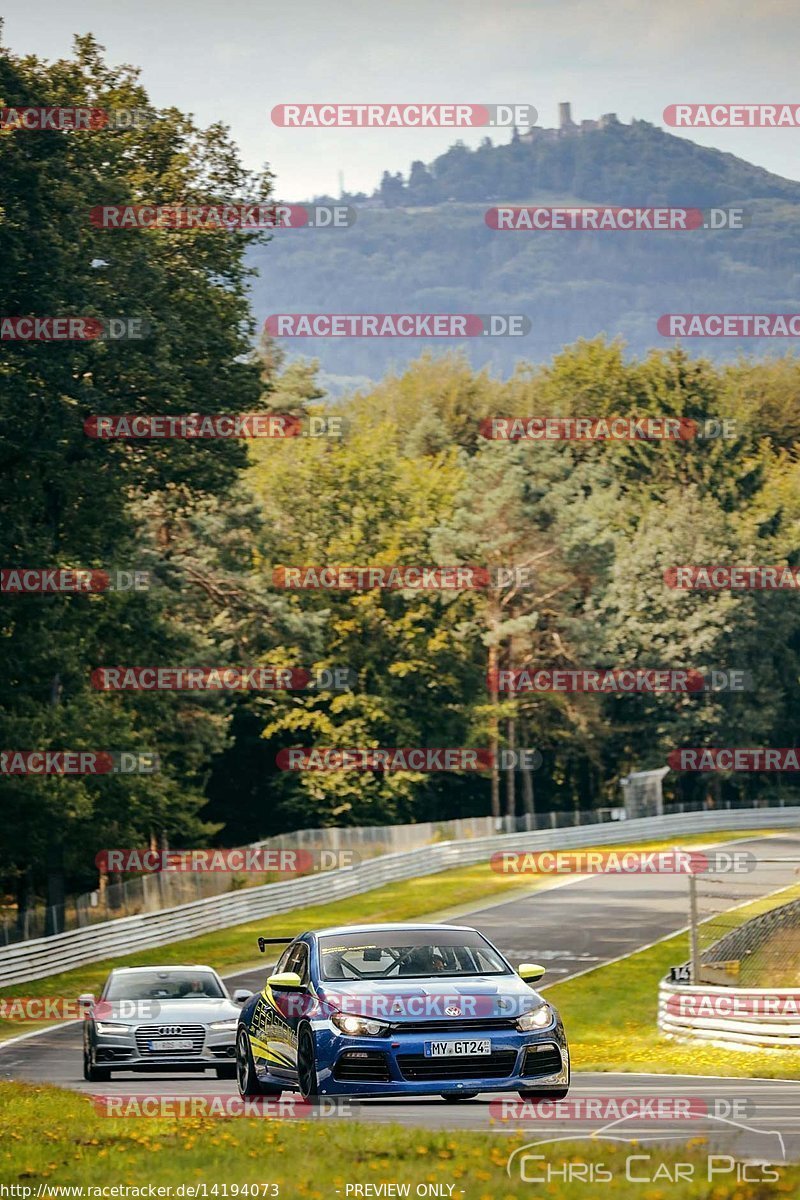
x=459 y=1095
x=307 y=1065
x=91 y=1071
x=246 y=1078
x=552 y=1094
x=227 y=1072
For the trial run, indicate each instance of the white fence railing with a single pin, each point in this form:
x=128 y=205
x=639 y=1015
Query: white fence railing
x=730 y=1015
x=159 y=890
x=38 y=958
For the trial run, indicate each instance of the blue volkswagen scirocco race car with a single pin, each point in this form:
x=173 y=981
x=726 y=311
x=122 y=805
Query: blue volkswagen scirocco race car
x=399 y=1010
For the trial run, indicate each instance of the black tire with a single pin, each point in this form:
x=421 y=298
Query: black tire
x=246 y=1078
x=307 y=1065
x=91 y=1071
x=552 y=1094
x=450 y=1096
x=226 y=1072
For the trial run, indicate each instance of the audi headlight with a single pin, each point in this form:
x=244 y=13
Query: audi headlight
x=224 y=1026
x=358 y=1026
x=111 y=1027
x=535 y=1018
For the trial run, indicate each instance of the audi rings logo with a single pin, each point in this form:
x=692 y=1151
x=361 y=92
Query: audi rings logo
x=452 y=1011
x=169 y=1030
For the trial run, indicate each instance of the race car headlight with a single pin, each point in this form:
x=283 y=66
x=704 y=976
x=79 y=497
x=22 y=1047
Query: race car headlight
x=358 y=1026
x=111 y=1027
x=535 y=1018
x=224 y=1026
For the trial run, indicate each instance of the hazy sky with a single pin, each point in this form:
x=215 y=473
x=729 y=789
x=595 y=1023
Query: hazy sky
x=234 y=60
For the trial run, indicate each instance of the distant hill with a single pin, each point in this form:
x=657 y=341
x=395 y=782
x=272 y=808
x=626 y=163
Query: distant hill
x=420 y=244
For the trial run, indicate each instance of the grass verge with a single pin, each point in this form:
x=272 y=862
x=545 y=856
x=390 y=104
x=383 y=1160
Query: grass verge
x=56 y=1139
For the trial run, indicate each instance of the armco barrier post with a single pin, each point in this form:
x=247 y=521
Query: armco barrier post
x=694 y=956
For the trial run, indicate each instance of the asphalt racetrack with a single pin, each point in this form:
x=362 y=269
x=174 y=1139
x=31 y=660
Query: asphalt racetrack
x=569 y=928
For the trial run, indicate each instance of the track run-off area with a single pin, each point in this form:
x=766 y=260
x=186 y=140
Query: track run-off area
x=574 y=925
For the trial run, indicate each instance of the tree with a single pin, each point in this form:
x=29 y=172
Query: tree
x=69 y=500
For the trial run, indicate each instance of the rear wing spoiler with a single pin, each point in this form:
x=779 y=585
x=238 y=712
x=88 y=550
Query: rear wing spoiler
x=279 y=941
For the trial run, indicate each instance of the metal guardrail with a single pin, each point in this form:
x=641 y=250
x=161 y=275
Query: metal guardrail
x=730 y=1016
x=159 y=890
x=36 y=959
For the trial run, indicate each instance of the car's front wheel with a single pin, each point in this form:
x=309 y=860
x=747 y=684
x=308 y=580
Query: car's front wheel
x=91 y=1071
x=307 y=1065
x=246 y=1078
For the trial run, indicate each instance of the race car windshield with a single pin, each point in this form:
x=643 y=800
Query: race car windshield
x=408 y=955
x=165 y=985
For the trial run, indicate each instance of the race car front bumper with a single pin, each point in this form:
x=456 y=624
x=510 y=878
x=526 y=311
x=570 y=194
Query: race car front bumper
x=401 y=1064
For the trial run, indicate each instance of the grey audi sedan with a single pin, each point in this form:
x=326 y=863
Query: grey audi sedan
x=161 y=1018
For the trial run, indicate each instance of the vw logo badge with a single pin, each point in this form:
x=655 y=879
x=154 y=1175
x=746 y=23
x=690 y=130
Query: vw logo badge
x=452 y=1011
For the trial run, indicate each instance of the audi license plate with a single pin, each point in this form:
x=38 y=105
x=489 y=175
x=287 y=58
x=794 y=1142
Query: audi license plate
x=453 y=1049
x=172 y=1044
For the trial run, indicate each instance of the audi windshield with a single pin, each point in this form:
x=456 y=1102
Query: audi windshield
x=164 y=985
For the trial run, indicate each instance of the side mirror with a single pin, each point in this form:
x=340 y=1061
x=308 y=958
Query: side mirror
x=530 y=972
x=240 y=995
x=286 y=981
x=86 y=1000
